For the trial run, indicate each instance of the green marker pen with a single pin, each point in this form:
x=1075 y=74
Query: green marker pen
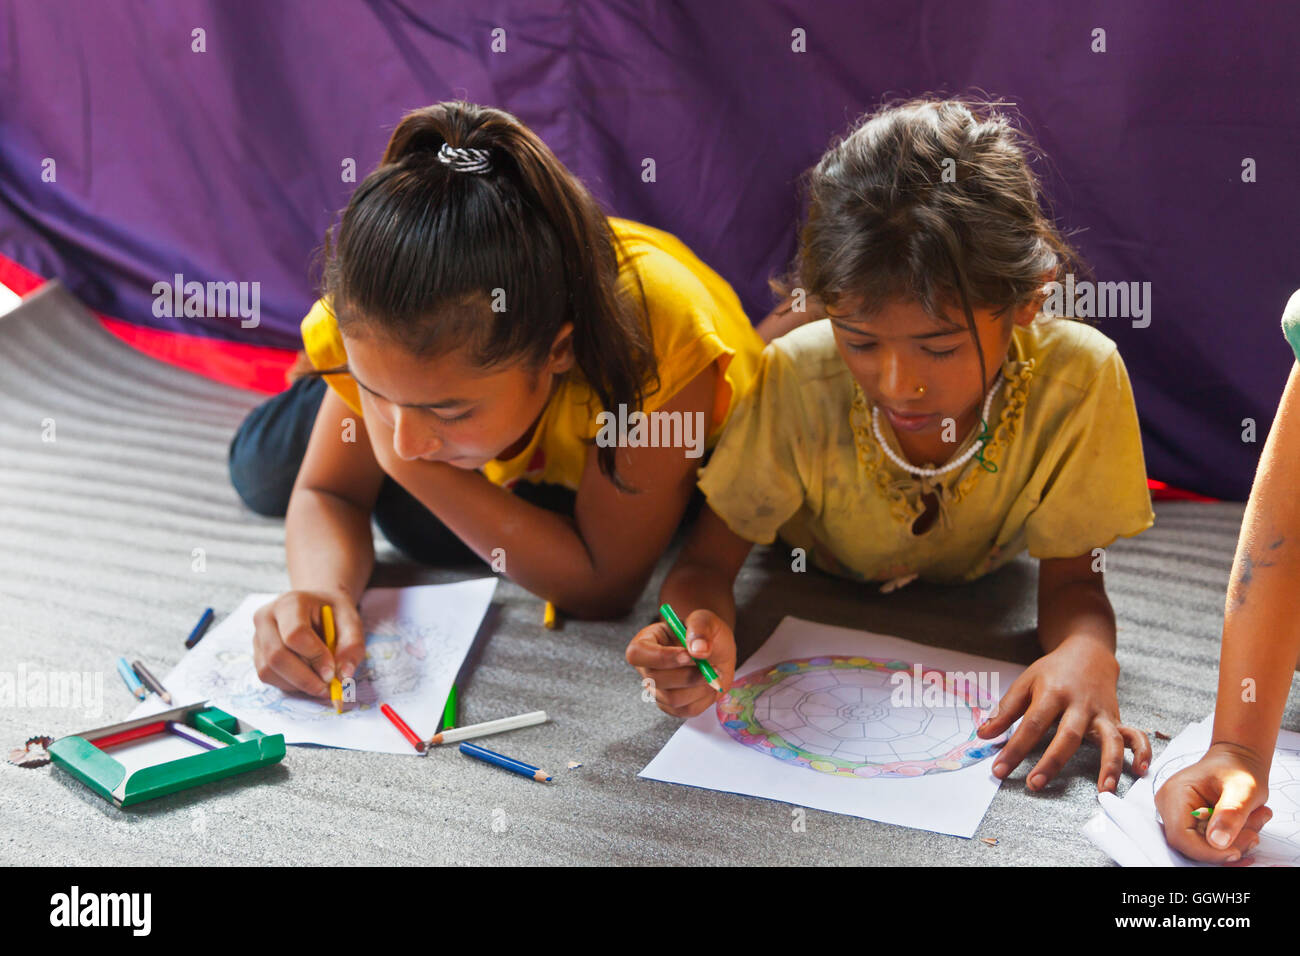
x=675 y=625
x=449 y=711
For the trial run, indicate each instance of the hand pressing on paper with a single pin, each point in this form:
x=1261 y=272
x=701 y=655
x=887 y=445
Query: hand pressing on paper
x=1074 y=688
x=289 y=641
x=679 y=688
x=1231 y=780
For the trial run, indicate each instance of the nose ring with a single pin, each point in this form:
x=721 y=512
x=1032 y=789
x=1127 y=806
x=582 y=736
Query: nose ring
x=920 y=389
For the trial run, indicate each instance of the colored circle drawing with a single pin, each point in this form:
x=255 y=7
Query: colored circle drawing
x=838 y=716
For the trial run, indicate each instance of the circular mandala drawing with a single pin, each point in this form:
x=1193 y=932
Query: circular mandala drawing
x=835 y=715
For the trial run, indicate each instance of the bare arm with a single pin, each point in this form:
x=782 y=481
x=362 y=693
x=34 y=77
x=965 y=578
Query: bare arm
x=594 y=564
x=1261 y=627
x=699 y=588
x=330 y=555
x=327 y=527
x=1073 y=685
x=704 y=574
x=1072 y=604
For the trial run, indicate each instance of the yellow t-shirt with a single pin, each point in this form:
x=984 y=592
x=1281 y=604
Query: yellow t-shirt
x=799 y=458
x=695 y=320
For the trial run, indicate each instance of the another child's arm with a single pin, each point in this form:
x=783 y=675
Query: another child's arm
x=330 y=555
x=699 y=588
x=594 y=564
x=1073 y=685
x=1260 y=651
x=786 y=318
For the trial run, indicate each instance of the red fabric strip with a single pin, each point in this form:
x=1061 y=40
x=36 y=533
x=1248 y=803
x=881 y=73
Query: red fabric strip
x=255 y=367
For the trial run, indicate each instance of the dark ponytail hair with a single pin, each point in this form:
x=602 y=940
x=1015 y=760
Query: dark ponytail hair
x=422 y=247
x=884 y=225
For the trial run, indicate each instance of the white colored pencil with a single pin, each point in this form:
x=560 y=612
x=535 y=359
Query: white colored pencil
x=488 y=727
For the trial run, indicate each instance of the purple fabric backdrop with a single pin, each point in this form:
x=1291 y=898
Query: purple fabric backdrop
x=225 y=165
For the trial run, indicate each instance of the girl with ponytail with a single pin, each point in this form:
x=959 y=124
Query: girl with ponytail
x=481 y=323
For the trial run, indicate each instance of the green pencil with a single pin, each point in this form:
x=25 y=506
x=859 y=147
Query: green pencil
x=449 y=712
x=675 y=625
x=1204 y=813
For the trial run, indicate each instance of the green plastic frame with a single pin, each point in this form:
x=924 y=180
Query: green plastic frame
x=246 y=749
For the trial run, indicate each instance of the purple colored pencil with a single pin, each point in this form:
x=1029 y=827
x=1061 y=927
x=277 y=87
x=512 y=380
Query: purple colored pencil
x=193 y=736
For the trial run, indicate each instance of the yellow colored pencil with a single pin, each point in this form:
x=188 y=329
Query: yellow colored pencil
x=549 y=618
x=336 y=686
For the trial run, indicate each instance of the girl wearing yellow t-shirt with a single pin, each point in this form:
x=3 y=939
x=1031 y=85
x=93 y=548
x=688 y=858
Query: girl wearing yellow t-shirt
x=482 y=323
x=932 y=425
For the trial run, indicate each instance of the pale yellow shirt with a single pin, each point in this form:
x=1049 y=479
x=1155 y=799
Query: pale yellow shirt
x=695 y=320
x=798 y=458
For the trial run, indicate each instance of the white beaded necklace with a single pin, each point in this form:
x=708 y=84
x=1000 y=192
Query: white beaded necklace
x=956 y=462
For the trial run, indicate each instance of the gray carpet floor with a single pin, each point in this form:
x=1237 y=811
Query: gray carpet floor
x=97 y=536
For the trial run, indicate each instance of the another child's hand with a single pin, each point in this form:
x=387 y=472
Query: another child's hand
x=1236 y=786
x=288 y=641
x=1073 y=687
x=679 y=687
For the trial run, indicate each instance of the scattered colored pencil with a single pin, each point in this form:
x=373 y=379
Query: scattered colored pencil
x=193 y=736
x=336 y=686
x=504 y=762
x=150 y=681
x=489 y=727
x=679 y=631
x=449 y=712
x=402 y=726
x=200 y=629
x=132 y=682
x=550 y=619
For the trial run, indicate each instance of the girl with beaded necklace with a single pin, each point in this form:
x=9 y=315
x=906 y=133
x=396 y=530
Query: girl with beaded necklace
x=930 y=423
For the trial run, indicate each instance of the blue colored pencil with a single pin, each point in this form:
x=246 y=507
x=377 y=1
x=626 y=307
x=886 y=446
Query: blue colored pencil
x=200 y=629
x=132 y=682
x=504 y=762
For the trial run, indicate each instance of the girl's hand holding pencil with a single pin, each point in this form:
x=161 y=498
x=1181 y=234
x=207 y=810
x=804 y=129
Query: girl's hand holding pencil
x=289 y=648
x=680 y=688
x=1234 y=785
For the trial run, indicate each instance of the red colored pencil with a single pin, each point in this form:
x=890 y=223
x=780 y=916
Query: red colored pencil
x=407 y=732
x=135 y=733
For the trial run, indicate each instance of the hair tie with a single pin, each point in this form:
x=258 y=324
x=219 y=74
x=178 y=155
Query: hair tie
x=464 y=160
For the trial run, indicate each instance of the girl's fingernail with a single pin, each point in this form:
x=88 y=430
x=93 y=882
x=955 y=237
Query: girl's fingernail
x=698 y=646
x=992 y=713
x=1110 y=783
x=1037 y=781
x=327 y=673
x=1219 y=838
x=683 y=658
x=999 y=769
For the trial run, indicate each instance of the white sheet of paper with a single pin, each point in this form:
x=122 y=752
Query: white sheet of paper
x=151 y=751
x=416 y=642
x=703 y=754
x=1135 y=814
x=1107 y=836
